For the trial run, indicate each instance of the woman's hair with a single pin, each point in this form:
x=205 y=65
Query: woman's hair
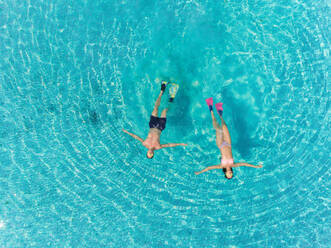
x=224 y=170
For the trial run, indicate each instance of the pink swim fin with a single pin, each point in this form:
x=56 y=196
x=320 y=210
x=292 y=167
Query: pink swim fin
x=209 y=102
x=219 y=108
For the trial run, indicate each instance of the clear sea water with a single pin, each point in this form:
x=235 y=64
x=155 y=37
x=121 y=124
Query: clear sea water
x=74 y=73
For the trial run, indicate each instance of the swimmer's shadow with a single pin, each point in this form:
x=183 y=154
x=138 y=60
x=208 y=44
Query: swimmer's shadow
x=179 y=120
x=244 y=142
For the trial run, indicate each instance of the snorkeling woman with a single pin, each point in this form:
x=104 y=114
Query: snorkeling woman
x=223 y=141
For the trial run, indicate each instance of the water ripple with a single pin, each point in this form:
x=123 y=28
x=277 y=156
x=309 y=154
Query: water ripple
x=75 y=73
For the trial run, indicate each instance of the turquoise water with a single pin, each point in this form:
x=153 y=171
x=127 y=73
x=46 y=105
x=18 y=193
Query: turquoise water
x=74 y=73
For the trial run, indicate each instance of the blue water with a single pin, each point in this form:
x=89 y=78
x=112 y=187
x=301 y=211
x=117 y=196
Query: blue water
x=74 y=73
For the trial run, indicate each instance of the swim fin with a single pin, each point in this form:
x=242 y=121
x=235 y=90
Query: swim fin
x=209 y=102
x=163 y=85
x=219 y=108
x=173 y=91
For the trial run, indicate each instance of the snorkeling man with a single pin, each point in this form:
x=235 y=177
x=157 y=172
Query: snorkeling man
x=158 y=124
x=223 y=142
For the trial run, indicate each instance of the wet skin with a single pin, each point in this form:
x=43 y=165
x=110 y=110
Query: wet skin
x=152 y=142
x=223 y=135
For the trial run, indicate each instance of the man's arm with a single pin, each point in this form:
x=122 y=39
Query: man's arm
x=245 y=164
x=209 y=168
x=133 y=135
x=173 y=145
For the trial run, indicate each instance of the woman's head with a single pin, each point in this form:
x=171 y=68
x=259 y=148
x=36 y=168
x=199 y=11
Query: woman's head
x=228 y=172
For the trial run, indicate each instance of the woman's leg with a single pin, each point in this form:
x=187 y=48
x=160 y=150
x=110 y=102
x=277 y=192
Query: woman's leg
x=225 y=131
x=219 y=132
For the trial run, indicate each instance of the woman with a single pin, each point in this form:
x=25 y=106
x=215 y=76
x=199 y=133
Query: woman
x=223 y=141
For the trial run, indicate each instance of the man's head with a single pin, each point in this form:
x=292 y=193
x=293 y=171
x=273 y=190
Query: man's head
x=228 y=172
x=150 y=153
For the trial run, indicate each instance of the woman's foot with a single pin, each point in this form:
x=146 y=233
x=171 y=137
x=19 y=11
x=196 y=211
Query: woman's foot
x=209 y=102
x=219 y=108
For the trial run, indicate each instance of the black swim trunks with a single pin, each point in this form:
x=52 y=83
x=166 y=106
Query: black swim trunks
x=157 y=122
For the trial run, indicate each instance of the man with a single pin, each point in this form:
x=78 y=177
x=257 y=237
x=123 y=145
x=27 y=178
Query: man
x=157 y=124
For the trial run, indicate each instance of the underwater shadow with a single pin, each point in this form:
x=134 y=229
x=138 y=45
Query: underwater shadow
x=179 y=71
x=179 y=115
x=241 y=115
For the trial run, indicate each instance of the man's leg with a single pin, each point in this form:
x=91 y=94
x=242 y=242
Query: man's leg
x=164 y=113
x=157 y=104
x=158 y=100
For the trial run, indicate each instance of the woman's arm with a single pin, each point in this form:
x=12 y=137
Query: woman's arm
x=245 y=164
x=133 y=135
x=173 y=145
x=209 y=168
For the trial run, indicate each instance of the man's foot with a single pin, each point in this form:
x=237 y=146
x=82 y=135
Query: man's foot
x=163 y=85
x=219 y=107
x=173 y=91
x=209 y=102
